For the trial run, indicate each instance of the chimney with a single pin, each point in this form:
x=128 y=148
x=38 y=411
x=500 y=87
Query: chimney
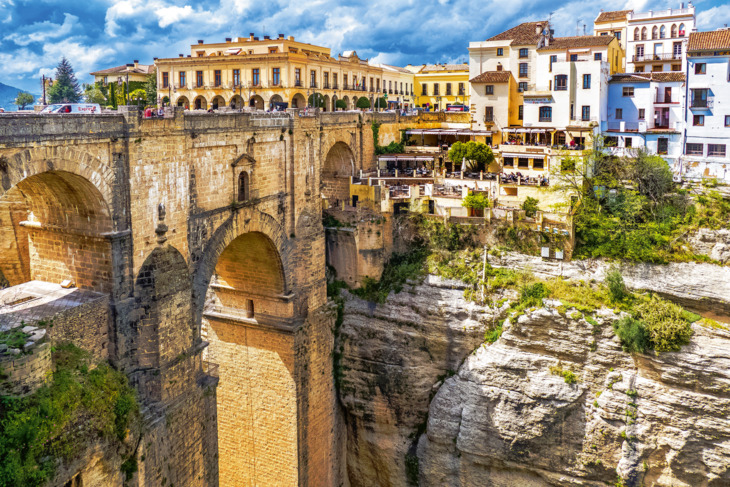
x=228 y=39
x=181 y=55
x=189 y=55
x=267 y=38
x=200 y=41
x=291 y=38
x=136 y=63
x=281 y=36
x=154 y=59
x=256 y=38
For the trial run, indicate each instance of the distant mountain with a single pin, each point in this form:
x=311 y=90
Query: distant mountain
x=7 y=96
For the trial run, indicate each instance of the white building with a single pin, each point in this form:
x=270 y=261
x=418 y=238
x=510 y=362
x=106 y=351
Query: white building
x=657 y=40
x=646 y=110
x=571 y=96
x=708 y=109
x=514 y=50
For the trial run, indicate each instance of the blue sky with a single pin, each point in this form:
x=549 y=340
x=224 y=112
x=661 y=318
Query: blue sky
x=99 y=34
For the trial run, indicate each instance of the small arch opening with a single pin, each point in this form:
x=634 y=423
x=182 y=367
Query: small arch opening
x=243 y=187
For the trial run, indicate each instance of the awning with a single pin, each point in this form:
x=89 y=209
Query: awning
x=233 y=50
x=404 y=158
x=523 y=155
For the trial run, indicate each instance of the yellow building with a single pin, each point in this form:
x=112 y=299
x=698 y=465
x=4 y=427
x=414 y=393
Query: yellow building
x=439 y=85
x=397 y=85
x=266 y=74
x=129 y=72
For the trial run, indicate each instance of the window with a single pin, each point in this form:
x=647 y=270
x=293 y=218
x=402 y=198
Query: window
x=499 y=66
x=489 y=114
x=657 y=68
x=489 y=90
x=677 y=50
x=276 y=76
x=546 y=114
x=561 y=82
x=597 y=56
x=727 y=120
x=628 y=91
x=610 y=141
x=642 y=113
x=699 y=98
x=325 y=80
x=700 y=68
x=435 y=89
x=619 y=113
x=424 y=89
x=522 y=86
x=628 y=142
x=636 y=34
x=698 y=120
x=461 y=89
x=681 y=30
x=695 y=149
x=500 y=51
x=313 y=79
x=674 y=30
x=676 y=67
x=508 y=162
x=520 y=112
x=344 y=81
x=217 y=77
x=662 y=32
x=523 y=70
x=586 y=81
x=553 y=59
x=199 y=79
x=183 y=81
x=716 y=150
x=573 y=57
x=586 y=113
x=165 y=80
x=448 y=89
x=256 y=76
x=655 y=33
x=298 y=77
x=334 y=81
x=639 y=69
x=523 y=52
x=662 y=145
x=243 y=188
x=643 y=34
x=272 y=50
x=639 y=52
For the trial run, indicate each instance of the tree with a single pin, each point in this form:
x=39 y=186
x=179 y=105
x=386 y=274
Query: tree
x=530 y=206
x=93 y=94
x=476 y=201
x=477 y=154
x=316 y=100
x=113 y=96
x=151 y=88
x=652 y=175
x=23 y=99
x=341 y=104
x=363 y=103
x=381 y=102
x=65 y=87
x=138 y=97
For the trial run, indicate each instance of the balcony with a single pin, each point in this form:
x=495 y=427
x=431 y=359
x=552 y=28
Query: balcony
x=334 y=86
x=462 y=92
x=297 y=82
x=660 y=13
x=662 y=98
x=656 y=57
x=706 y=104
x=326 y=86
x=621 y=126
x=313 y=84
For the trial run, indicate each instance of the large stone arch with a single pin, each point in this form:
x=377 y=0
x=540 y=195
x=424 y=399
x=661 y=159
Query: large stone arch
x=162 y=328
x=338 y=166
x=55 y=226
x=298 y=101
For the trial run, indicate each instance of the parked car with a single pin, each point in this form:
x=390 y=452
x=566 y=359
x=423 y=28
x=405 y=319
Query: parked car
x=87 y=108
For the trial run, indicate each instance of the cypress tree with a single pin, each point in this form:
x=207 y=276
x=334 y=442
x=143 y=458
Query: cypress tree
x=65 y=87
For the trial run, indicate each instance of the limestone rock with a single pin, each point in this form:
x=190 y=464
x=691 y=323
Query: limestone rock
x=505 y=419
x=713 y=243
x=392 y=355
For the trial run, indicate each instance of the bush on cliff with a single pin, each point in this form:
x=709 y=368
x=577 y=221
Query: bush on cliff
x=54 y=423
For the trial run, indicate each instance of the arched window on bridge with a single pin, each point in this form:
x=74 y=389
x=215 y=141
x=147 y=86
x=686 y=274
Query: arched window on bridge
x=243 y=187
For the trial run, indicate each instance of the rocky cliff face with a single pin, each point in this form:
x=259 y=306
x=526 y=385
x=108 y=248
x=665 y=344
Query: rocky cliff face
x=392 y=356
x=507 y=417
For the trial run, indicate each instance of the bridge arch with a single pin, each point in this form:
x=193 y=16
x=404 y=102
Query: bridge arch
x=339 y=165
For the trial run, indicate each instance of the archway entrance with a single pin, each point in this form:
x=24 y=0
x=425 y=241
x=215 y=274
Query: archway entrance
x=346 y=99
x=298 y=101
x=246 y=311
x=236 y=102
x=276 y=102
x=339 y=165
x=327 y=107
x=183 y=101
x=217 y=102
x=200 y=103
x=256 y=102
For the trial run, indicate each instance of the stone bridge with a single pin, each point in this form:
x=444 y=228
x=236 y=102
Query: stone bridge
x=203 y=234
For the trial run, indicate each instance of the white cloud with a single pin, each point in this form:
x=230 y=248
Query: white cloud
x=172 y=15
x=43 y=31
x=713 y=18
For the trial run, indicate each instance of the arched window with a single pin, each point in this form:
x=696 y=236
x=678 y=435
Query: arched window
x=674 y=30
x=643 y=34
x=655 y=33
x=636 y=34
x=662 y=32
x=681 y=30
x=243 y=186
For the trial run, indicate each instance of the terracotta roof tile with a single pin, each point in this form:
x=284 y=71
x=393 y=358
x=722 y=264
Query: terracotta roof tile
x=140 y=69
x=668 y=76
x=492 y=77
x=523 y=34
x=612 y=16
x=646 y=77
x=577 y=41
x=707 y=41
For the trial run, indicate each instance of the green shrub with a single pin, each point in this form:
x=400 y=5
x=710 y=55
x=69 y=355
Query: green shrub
x=633 y=335
x=530 y=205
x=668 y=330
x=399 y=269
x=476 y=201
x=532 y=295
x=493 y=334
x=616 y=286
x=412 y=469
